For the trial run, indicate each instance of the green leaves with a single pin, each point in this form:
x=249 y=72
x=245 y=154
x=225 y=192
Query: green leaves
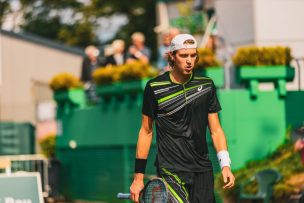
x=75 y=22
x=262 y=56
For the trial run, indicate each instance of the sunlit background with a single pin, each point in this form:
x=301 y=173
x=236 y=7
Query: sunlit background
x=79 y=135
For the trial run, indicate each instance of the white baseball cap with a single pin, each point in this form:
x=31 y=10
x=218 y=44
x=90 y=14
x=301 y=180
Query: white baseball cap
x=178 y=42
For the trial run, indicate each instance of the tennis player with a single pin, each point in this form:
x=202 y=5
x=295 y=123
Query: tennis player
x=182 y=104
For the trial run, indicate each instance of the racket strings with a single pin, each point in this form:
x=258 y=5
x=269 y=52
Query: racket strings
x=155 y=192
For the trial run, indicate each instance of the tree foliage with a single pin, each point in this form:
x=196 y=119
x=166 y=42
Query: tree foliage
x=58 y=20
x=4 y=9
x=75 y=22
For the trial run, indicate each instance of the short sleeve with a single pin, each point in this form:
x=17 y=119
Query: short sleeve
x=149 y=102
x=214 y=104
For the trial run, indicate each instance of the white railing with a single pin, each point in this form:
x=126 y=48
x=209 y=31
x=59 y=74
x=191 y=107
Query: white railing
x=27 y=163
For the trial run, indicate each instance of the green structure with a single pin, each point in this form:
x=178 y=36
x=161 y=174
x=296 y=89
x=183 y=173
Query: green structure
x=17 y=138
x=96 y=145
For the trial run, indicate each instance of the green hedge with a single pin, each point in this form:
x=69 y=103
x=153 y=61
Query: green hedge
x=259 y=56
x=125 y=72
x=64 y=81
x=285 y=160
x=207 y=59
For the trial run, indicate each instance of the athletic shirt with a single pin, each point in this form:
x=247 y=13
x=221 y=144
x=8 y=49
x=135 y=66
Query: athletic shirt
x=180 y=112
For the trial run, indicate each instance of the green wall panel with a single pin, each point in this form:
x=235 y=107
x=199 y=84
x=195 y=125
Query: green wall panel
x=254 y=127
x=99 y=173
x=111 y=123
x=295 y=108
x=102 y=161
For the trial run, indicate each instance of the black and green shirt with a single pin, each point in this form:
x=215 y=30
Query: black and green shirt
x=180 y=112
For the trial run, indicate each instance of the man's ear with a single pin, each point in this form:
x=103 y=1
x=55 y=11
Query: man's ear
x=170 y=55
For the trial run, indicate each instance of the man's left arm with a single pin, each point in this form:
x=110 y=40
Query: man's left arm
x=220 y=145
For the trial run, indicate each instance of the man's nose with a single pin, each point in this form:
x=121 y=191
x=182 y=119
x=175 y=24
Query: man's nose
x=188 y=59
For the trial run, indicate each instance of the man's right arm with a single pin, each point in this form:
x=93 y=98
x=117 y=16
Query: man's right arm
x=142 y=151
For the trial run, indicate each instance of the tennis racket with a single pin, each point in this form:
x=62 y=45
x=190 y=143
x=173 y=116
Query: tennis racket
x=155 y=191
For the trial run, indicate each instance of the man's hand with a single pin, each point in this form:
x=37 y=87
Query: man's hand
x=132 y=50
x=137 y=186
x=228 y=177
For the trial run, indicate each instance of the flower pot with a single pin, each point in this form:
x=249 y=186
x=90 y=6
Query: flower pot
x=67 y=100
x=74 y=96
x=115 y=92
x=121 y=88
x=253 y=75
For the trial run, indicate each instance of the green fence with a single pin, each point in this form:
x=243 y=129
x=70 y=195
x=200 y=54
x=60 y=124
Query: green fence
x=17 y=138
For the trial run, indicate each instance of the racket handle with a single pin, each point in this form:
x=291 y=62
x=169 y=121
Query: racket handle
x=123 y=195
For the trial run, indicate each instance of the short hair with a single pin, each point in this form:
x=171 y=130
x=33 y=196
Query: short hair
x=91 y=49
x=174 y=31
x=118 y=43
x=138 y=35
x=170 y=60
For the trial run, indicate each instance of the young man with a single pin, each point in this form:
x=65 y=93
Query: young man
x=182 y=104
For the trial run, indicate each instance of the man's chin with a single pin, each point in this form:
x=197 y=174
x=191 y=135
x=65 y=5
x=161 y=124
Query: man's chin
x=188 y=71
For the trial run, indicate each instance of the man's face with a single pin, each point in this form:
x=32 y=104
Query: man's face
x=185 y=60
x=137 y=42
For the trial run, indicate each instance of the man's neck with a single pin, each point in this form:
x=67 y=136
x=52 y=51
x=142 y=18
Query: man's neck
x=177 y=77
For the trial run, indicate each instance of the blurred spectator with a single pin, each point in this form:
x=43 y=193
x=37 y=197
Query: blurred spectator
x=138 y=50
x=209 y=6
x=162 y=60
x=89 y=63
x=206 y=5
x=298 y=137
x=299 y=146
x=173 y=32
x=119 y=56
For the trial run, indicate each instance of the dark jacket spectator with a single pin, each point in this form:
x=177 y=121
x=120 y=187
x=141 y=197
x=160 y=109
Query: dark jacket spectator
x=119 y=56
x=89 y=63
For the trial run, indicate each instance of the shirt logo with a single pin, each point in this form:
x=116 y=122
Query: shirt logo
x=200 y=88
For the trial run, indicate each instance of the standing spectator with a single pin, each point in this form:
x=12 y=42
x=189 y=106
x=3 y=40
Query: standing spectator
x=89 y=63
x=173 y=32
x=162 y=59
x=119 y=56
x=206 y=5
x=138 y=50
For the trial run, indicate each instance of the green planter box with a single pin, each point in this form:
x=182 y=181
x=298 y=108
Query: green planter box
x=252 y=75
x=215 y=73
x=67 y=100
x=121 y=88
x=266 y=73
x=73 y=96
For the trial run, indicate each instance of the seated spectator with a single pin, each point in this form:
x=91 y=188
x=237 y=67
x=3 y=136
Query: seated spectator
x=138 y=50
x=119 y=56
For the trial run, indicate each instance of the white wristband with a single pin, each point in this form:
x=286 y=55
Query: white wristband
x=223 y=158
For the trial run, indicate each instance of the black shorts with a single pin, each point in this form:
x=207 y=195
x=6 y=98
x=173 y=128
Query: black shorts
x=185 y=187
